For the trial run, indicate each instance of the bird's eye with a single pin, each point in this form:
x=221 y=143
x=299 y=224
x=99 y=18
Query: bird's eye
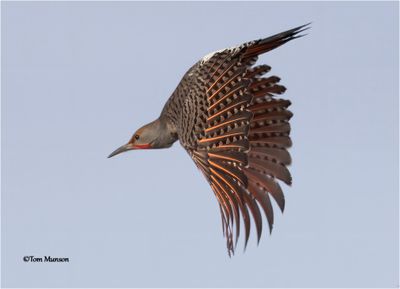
x=136 y=136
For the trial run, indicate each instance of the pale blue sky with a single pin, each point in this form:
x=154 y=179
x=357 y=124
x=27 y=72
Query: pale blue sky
x=78 y=78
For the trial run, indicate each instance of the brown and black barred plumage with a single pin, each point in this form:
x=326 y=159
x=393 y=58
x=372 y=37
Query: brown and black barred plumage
x=225 y=112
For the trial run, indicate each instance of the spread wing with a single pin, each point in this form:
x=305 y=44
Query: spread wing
x=241 y=144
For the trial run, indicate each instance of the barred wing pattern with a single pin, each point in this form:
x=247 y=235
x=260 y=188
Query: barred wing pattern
x=241 y=135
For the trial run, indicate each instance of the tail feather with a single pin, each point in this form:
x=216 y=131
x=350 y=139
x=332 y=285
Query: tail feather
x=264 y=45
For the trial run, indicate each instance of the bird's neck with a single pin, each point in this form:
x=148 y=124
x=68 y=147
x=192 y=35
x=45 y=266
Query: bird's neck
x=166 y=133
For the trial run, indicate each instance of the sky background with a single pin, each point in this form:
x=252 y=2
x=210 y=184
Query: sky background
x=79 y=78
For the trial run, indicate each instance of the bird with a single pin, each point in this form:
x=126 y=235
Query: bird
x=227 y=114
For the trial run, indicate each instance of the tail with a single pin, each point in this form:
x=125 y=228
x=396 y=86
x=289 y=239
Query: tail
x=261 y=46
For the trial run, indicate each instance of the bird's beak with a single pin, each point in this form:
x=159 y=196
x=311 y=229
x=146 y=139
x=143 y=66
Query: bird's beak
x=121 y=149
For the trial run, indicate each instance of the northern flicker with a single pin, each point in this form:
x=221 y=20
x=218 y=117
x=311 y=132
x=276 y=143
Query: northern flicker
x=226 y=114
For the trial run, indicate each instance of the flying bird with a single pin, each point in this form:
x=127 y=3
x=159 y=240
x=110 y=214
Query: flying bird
x=226 y=114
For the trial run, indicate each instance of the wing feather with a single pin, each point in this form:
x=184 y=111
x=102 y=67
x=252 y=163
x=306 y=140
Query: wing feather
x=241 y=144
x=255 y=211
x=262 y=198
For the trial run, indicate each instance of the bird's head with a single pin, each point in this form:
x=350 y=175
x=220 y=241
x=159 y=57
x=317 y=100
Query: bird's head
x=149 y=136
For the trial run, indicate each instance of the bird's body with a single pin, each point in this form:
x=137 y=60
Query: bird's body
x=227 y=117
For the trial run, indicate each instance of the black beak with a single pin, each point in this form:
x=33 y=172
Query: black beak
x=121 y=149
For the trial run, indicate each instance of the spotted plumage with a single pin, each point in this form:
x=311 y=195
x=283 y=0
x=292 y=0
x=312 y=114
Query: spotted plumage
x=226 y=114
